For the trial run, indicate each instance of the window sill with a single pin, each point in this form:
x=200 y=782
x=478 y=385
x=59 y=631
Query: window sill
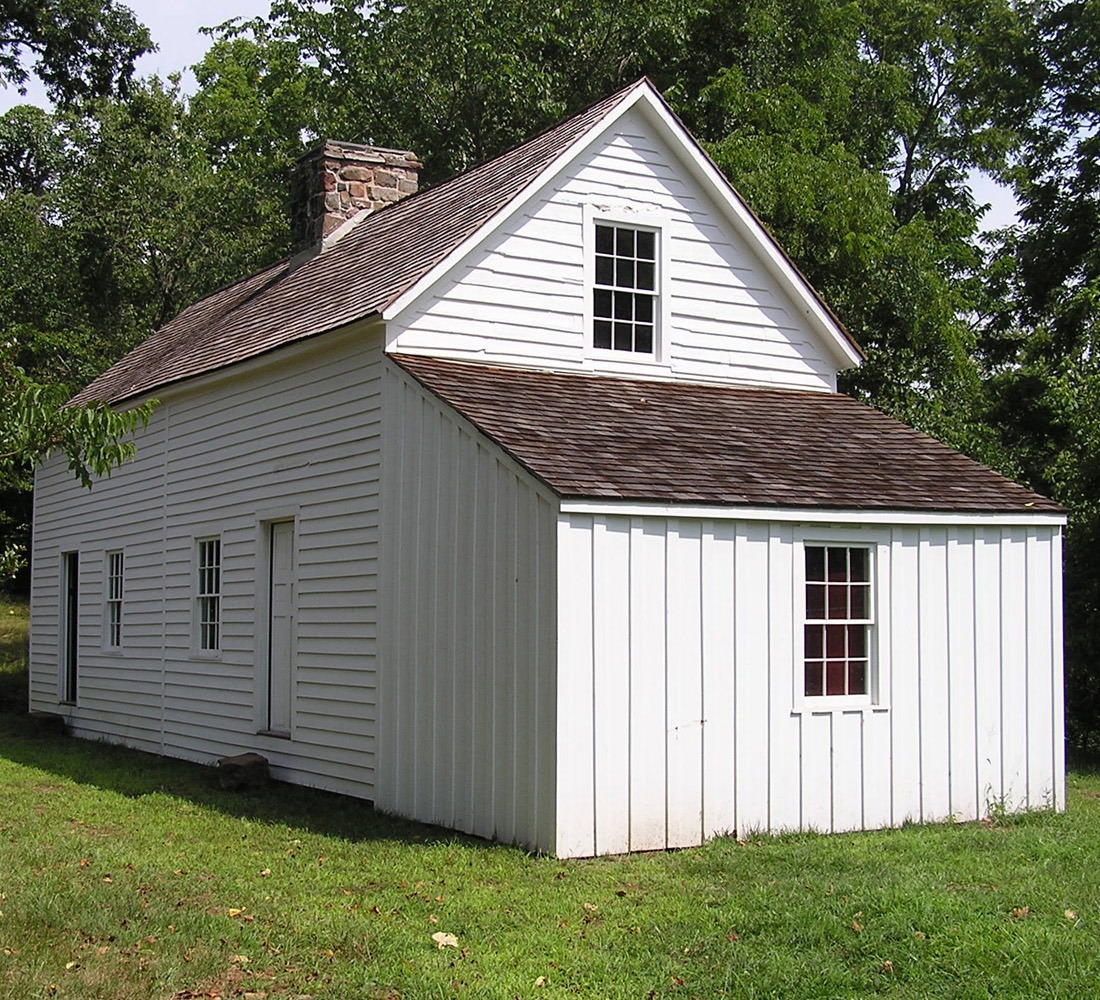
x=831 y=705
x=277 y=734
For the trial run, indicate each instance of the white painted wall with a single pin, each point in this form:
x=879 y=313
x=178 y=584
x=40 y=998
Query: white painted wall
x=677 y=643
x=467 y=602
x=523 y=297
x=294 y=434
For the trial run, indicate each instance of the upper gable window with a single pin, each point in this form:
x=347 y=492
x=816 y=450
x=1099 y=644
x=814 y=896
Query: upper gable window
x=624 y=297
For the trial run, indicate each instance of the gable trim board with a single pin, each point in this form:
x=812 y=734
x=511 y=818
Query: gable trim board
x=556 y=606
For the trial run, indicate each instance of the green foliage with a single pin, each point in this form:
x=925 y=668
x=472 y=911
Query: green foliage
x=77 y=48
x=34 y=422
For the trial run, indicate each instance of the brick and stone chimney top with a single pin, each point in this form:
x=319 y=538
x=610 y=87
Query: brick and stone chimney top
x=337 y=180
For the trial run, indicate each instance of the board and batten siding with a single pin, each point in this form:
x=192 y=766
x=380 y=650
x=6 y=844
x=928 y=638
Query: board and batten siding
x=677 y=680
x=467 y=605
x=294 y=435
x=522 y=296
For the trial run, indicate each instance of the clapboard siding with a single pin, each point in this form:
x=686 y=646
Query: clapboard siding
x=521 y=296
x=466 y=687
x=293 y=435
x=680 y=635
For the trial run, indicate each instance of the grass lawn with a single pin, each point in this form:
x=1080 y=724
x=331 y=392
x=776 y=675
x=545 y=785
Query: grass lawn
x=126 y=876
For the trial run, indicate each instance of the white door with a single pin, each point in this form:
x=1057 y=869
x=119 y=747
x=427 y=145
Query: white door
x=281 y=631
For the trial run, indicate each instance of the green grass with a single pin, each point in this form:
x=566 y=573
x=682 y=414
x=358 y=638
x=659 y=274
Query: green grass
x=126 y=876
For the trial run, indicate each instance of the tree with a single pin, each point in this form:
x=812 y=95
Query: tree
x=1041 y=345
x=79 y=48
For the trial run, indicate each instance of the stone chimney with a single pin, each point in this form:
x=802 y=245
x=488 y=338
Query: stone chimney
x=337 y=180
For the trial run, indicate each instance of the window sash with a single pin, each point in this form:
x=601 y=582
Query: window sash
x=209 y=594
x=114 y=598
x=838 y=621
x=625 y=282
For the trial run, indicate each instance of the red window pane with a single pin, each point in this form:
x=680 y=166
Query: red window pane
x=815 y=562
x=834 y=641
x=838 y=601
x=857 y=641
x=857 y=677
x=836 y=673
x=815 y=642
x=815 y=601
x=859 y=565
x=861 y=601
x=838 y=564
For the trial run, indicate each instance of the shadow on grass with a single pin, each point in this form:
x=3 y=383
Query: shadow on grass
x=134 y=773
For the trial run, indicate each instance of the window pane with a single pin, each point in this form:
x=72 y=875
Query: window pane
x=624 y=305
x=834 y=641
x=857 y=641
x=643 y=308
x=861 y=601
x=815 y=642
x=836 y=674
x=647 y=245
x=815 y=564
x=601 y=303
x=814 y=685
x=857 y=677
x=815 y=600
x=605 y=240
x=838 y=564
x=624 y=242
x=605 y=271
x=643 y=339
x=646 y=274
x=859 y=561
x=624 y=337
x=601 y=336
x=624 y=273
x=838 y=601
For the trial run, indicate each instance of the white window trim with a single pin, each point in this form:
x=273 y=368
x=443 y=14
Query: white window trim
x=642 y=218
x=878 y=667
x=108 y=644
x=197 y=650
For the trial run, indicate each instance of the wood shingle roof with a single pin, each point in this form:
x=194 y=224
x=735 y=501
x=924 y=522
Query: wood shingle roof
x=381 y=257
x=589 y=436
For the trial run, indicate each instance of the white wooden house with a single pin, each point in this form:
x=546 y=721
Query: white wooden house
x=527 y=505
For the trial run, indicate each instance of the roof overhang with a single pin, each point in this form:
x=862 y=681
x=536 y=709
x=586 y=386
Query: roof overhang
x=813 y=515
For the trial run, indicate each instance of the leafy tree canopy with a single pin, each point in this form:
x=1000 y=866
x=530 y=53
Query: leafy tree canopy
x=77 y=48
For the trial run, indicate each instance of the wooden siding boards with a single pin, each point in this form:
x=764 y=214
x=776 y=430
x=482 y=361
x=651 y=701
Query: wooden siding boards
x=466 y=697
x=191 y=478
x=520 y=297
x=956 y=733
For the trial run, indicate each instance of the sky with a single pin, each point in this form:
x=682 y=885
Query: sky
x=175 y=29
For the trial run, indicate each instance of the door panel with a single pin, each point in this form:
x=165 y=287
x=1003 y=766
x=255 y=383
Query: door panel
x=281 y=631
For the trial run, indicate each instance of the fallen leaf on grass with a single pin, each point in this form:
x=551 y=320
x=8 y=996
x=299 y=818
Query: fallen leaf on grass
x=444 y=940
x=265 y=873
x=733 y=936
x=239 y=959
x=888 y=966
x=857 y=926
x=1019 y=912
x=234 y=912
x=1070 y=914
x=541 y=981
x=591 y=907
